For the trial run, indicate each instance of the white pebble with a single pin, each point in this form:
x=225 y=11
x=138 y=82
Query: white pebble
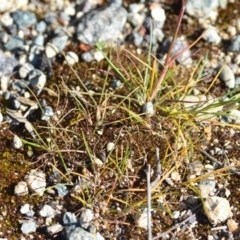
x=28 y=227
x=27 y=210
x=17 y=142
x=141 y=219
x=47 y=211
x=4 y=83
x=36 y=181
x=98 y=56
x=51 y=50
x=217 y=209
x=71 y=58
x=56 y=228
x=148 y=108
x=21 y=189
x=86 y=218
x=158 y=13
x=227 y=76
x=110 y=146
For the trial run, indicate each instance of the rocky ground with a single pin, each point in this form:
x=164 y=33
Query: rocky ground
x=87 y=150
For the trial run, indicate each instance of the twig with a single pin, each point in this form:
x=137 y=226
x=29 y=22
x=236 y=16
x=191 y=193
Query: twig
x=161 y=235
x=211 y=157
x=149 y=217
x=158 y=169
x=219 y=163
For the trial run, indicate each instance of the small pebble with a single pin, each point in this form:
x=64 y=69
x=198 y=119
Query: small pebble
x=28 y=227
x=217 y=209
x=69 y=219
x=36 y=181
x=62 y=190
x=141 y=219
x=21 y=189
x=233 y=226
x=47 y=211
x=27 y=210
x=25 y=69
x=86 y=218
x=227 y=76
x=110 y=146
x=53 y=229
x=51 y=50
x=71 y=58
x=80 y=234
x=235 y=45
x=148 y=108
x=17 y=142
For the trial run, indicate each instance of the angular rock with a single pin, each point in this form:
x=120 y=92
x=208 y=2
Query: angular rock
x=14 y=43
x=29 y=227
x=217 y=209
x=7 y=64
x=25 y=70
x=53 y=229
x=80 y=234
x=37 y=80
x=27 y=210
x=21 y=189
x=103 y=25
x=36 y=181
x=205 y=9
x=47 y=211
x=24 y=18
x=86 y=218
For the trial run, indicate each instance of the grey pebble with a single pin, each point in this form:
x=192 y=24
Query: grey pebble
x=148 y=108
x=37 y=80
x=38 y=40
x=86 y=218
x=103 y=25
x=211 y=35
x=25 y=70
x=60 y=42
x=41 y=26
x=87 y=56
x=204 y=9
x=227 y=76
x=47 y=113
x=24 y=18
x=14 y=43
x=235 y=45
x=116 y=84
x=69 y=219
x=7 y=64
x=80 y=234
x=61 y=190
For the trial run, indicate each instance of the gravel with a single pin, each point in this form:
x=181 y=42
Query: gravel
x=35 y=35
